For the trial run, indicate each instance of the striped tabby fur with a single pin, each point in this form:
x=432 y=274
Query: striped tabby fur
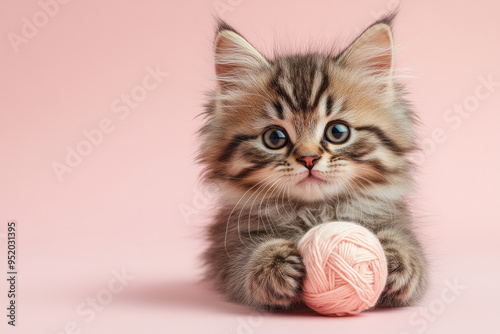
x=271 y=197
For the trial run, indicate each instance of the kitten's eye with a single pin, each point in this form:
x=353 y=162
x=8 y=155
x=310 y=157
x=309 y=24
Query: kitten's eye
x=275 y=138
x=337 y=133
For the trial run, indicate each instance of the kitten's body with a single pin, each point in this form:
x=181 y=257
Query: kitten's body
x=269 y=200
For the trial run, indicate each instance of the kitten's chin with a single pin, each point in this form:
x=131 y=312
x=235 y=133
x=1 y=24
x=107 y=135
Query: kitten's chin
x=311 y=189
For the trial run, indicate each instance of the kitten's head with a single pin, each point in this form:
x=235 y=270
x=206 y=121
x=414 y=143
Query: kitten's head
x=307 y=127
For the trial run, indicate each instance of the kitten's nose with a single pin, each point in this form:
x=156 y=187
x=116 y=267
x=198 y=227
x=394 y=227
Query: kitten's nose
x=308 y=160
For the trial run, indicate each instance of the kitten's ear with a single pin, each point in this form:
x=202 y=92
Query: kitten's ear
x=235 y=58
x=372 y=51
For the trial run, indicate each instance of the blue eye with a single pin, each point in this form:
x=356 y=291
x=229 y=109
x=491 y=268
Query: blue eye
x=337 y=133
x=275 y=138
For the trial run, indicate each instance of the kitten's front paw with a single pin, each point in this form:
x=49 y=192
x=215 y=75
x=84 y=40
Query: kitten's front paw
x=399 y=270
x=274 y=275
x=405 y=280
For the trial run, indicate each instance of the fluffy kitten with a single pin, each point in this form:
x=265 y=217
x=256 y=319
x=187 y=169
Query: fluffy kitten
x=297 y=141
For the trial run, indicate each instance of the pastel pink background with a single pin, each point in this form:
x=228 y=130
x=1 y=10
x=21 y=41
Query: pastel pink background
x=122 y=207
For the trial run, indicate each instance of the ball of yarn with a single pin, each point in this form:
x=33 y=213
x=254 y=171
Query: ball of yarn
x=346 y=268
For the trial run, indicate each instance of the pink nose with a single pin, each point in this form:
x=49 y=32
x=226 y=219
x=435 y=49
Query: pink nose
x=308 y=161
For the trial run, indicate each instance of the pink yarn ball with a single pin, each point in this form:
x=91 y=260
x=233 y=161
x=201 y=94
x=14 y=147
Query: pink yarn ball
x=346 y=268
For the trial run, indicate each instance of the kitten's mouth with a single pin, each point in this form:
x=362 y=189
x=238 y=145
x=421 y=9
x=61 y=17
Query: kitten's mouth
x=310 y=178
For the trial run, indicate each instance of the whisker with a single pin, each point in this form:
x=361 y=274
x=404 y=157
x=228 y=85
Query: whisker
x=229 y=217
x=256 y=193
